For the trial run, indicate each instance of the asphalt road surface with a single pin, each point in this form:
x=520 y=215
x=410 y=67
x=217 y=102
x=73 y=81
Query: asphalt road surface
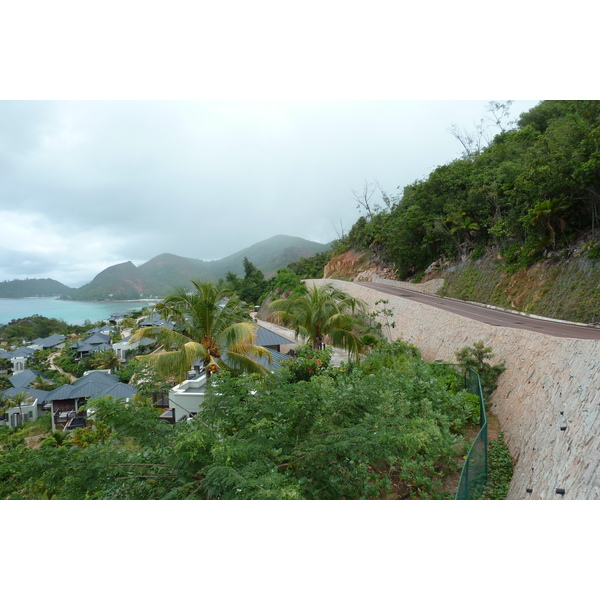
x=494 y=317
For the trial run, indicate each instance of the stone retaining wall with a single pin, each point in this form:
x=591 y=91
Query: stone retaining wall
x=547 y=401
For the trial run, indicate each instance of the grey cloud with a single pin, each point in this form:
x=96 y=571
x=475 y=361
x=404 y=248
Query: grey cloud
x=206 y=179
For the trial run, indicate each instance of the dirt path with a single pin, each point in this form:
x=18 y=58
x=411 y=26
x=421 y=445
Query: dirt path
x=55 y=367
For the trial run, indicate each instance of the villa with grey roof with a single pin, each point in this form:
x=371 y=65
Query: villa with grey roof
x=66 y=402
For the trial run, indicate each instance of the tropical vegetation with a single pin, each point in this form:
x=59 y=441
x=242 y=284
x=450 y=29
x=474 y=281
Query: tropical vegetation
x=390 y=427
x=36 y=326
x=532 y=190
x=211 y=325
x=322 y=314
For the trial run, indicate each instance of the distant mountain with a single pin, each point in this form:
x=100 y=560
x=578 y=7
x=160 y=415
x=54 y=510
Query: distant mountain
x=124 y=281
x=268 y=255
x=32 y=288
x=155 y=278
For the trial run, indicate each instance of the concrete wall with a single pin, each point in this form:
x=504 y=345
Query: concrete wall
x=549 y=383
x=187 y=397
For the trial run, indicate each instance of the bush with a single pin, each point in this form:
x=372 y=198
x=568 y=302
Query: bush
x=476 y=358
x=500 y=470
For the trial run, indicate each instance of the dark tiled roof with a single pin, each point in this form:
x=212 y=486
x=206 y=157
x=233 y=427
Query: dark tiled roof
x=48 y=342
x=155 y=321
x=265 y=337
x=143 y=342
x=23 y=351
x=64 y=392
x=93 y=347
x=40 y=395
x=97 y=338
x=108 y=328
x=276 y=359
x=95 y=383
x=24 y=378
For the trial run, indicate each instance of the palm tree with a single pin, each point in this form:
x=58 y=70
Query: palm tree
x=40 y=383
x=106 y=359
x=320 y=313
x=208 y=323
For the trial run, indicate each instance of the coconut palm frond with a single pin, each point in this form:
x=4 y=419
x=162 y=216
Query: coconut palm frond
x=320 y=313
x=245 y=363
x=208 y=321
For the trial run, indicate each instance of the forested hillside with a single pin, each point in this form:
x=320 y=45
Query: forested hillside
x=532 y=192
x=29 y=288
x=158 y=276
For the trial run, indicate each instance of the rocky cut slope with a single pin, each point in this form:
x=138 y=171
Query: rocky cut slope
x=354 y=265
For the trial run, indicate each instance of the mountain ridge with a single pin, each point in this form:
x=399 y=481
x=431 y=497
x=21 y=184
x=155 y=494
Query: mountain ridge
x=155 y=277
x=33 y=288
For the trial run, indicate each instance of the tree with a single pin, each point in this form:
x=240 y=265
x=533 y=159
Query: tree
x=41 y=383
x=477 y=358
x=321 y=313
x=253 y=285
x=211 y=325
x=106 y=359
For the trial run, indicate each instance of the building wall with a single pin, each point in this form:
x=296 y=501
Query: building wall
x=182 y=401
x=27 y=412
x=549 y=383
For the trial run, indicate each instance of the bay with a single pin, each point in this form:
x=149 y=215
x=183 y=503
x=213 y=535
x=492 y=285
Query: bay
x=71 y=311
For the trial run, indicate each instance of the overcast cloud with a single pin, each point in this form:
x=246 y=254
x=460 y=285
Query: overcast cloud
x=85 y=185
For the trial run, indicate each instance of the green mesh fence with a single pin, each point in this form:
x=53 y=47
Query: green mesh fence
x=475 y=470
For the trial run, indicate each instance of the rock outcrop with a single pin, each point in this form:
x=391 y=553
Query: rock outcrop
x=356 y=266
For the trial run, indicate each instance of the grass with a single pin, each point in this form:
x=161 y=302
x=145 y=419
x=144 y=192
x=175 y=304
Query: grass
x=565 y=289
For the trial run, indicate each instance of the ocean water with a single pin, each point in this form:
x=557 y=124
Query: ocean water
x=73 y=312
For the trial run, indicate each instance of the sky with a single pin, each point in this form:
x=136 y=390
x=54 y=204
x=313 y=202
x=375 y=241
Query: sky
x=88 y=184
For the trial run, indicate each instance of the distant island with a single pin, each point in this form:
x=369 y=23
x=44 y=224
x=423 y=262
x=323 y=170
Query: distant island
x=154 y=278
x=33 y=288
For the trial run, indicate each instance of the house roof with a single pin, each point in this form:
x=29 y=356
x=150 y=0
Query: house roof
x=64 y=392
x=24 y=378
x=93 y=347
x=95 y=383
x=155 y=320
x=97 y=338
x=276 y=359
x=40 y=395
x=265 y=337
x=108 y=328
x=21 y=352
x=91 y=343
x=49 y=342
x=143 y=342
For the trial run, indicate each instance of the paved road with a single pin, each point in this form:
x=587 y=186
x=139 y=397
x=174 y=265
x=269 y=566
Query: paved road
x=495 y=317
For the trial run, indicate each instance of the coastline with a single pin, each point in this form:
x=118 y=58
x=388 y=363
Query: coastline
x=75 y=312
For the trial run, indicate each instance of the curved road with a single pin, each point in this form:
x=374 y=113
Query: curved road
x=494 y=317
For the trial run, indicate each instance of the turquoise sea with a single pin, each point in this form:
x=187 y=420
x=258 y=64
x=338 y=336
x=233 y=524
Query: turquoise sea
x=73 y=312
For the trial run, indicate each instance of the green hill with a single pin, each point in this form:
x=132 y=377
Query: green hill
x=32 y=288
x=118 y=282
x=156 y=277
x=534 y=190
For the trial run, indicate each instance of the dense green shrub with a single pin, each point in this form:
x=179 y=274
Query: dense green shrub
x=477 y=358
x=360 y=431
x=500 y=470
